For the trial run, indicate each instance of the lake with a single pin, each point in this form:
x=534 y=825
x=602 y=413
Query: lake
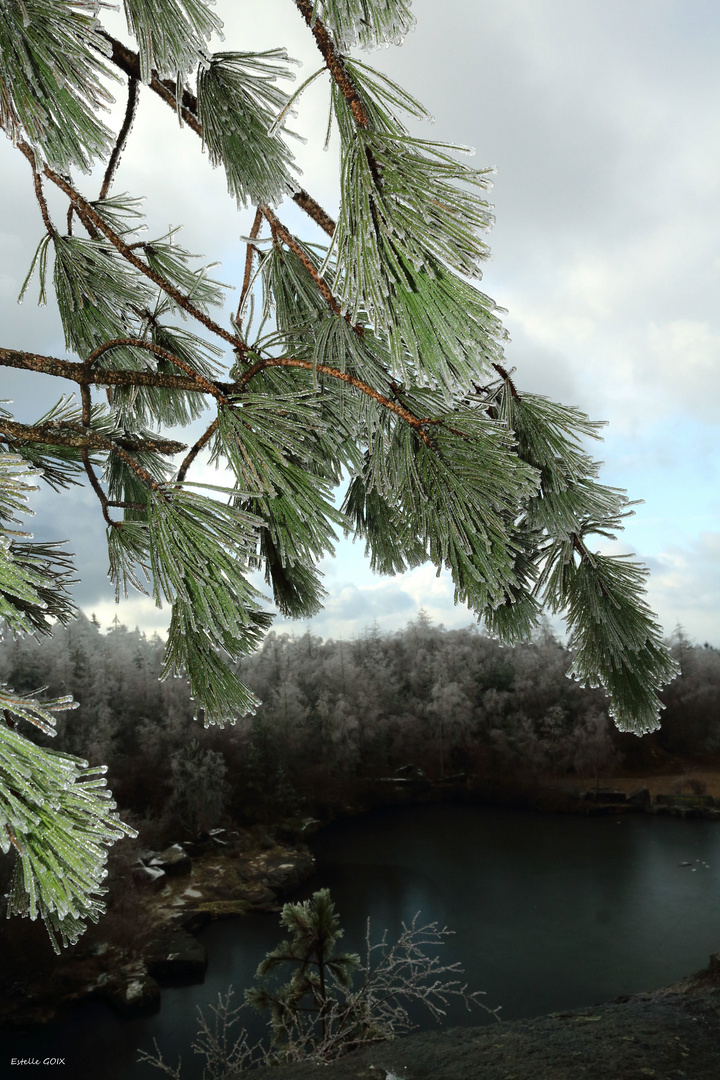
x=550 y=912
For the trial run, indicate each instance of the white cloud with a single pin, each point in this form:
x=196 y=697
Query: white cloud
x=139 y=611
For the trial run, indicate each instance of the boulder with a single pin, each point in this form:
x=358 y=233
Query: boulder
x=686 y=802
x=177 y=956
x=604 y=795
x=175 y=861
x=284 y=874
x=256 y=894
x=151 y=877
x=281 y=870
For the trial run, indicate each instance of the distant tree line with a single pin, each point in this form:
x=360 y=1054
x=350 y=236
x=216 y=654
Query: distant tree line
x=334 y=712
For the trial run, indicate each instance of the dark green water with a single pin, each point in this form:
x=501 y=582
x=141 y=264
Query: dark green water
x=549 y=912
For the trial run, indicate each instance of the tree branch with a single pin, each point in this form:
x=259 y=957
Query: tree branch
x=85 y=455
x=164 y=354
x=39 y=194
x=80 y=374
x=324 y=369
x=129 y=62
x=333 y=61
x=133 y=94
x=251 y=250
x=280 y=232
x=195 y=450
x=314 y=210
x=78 y=438
x=504 y=375
x=86 y=210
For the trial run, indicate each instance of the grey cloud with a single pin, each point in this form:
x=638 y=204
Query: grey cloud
x=74 y=516
x=685 y=586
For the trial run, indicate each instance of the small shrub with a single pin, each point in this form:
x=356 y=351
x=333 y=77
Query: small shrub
x=332 y=1002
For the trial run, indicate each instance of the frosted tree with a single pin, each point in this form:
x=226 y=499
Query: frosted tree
x=373 y=356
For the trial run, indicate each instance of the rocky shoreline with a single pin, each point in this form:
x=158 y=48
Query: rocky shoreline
x=548 y=795
x=183 y=888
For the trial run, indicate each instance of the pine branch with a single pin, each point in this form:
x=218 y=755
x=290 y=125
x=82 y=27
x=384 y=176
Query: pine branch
x=195 y=450
x=314 y=210
x=415 y=422
x=333 y=61
x=37 y=182
x=186 y=104
x=250 y=253
x=114 y=161
x=79 y=373
x=148 y=346
x=84 y=208
x=281 y=233
x=78 y=439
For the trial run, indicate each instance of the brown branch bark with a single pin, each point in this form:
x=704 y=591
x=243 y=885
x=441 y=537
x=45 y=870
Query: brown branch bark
x=314 y=210
x=13 y=840
x=280 y=232
x=37 y=182
x=504 y=375
x=195 y=450
x=80 y=374
x=79 y=438
x=164 y=354
x=290 y=361
x=251 y=250
x=333 y=62
x=85 y=456
x=129 y=62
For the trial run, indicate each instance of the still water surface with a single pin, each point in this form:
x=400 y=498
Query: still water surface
x=550 y=912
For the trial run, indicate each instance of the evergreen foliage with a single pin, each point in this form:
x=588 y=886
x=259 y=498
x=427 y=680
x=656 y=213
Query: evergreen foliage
x=372 y=355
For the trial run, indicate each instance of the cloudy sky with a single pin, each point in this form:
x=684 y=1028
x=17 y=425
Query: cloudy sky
x=603 y=122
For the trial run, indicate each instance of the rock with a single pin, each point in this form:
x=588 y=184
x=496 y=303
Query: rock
x=409 y=772
x=686 y=802
x=604 y=795
x=176 y=956
x=285 y=874
x=152 y=877
x=281 y=870
x=640 y=798
x=129 y=992
x=198 y=846
x=256 y=894
x=175 y=861
x=656 y=1035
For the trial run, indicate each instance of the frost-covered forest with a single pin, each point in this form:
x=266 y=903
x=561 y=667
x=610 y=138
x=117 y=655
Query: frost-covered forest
x=336 y=712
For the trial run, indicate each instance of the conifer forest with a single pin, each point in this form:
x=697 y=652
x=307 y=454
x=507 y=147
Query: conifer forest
x=336 y=712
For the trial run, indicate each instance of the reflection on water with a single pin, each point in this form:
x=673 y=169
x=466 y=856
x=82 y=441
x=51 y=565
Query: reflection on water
x=549 y=913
